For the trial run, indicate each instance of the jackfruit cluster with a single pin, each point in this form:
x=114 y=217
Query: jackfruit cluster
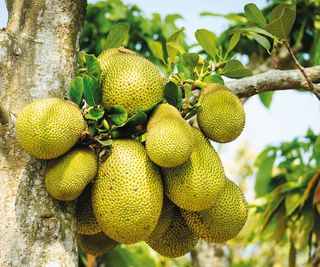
x=169 y=191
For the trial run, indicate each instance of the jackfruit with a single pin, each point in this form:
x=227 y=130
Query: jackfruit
x=48 y=128
x=97 y=244
x=67 y=176
x=196 y=184
x=176 y=241
x=224 y=220
x=129 y=80
x=85 y=220
x=169 y=140
x=221 y=116
x=127 y=194
x=162 y=111
x=164 y=221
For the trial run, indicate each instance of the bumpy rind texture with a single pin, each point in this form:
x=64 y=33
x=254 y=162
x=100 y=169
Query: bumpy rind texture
x=196 y=184
x=176 y=241
x=127 y=195
x=129 y=80
x=85 y=220
x=48 y=128
x=221 y=116
x=162 y=111
x=170 y=142
x=164 y=221
x=97 y=244
x=224 y=220
x=67 y=176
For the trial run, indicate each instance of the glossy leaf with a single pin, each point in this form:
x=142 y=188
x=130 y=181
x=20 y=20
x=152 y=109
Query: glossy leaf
x=93 y=66
x=76 y=90
x=266 y=98
x=191 y=60
x=173 y=94
x=91 y=91
x=263 y=41
x=105 y=142
x=118 y=115
x=95 y=114
x=234 y=69
x=282 y=25
x=117 y=35
x=215 y=78
x=254 y=14
x=139 y=118
x=251 y=30
x=156 y=49
x=233 y=42
x=175 y=46
x=172 y=52
x=207 y=40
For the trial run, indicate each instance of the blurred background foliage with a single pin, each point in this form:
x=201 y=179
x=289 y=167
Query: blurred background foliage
x=283 y=228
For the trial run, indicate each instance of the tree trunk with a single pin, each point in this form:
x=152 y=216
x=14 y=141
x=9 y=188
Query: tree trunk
x=211 y=255
x=37 y=60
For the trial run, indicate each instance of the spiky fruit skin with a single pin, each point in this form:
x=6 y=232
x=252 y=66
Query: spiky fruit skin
x=176 y=241
x=224 y=220
x=169 y=140
x=67 y=176
x=48 y=128
x=127 y=194
x=164 y=221
x=196 y=184
x=221 y=116
x=85 y=220
x=97 y=244
x=162 y=111
x=129 y=80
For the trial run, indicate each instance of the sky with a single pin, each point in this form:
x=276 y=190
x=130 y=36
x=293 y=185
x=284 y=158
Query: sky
x=291 y=113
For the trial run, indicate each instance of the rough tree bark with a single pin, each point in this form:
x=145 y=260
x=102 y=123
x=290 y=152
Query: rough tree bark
x=37 y=59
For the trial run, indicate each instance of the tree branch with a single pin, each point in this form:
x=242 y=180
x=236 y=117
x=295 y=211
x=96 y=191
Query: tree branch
x=275 y=80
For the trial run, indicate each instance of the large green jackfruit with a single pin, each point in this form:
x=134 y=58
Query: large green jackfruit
x=224 y=220
x=196 y=184
x=127 y=194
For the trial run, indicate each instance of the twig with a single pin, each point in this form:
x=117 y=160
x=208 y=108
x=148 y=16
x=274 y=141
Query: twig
x=302 y=69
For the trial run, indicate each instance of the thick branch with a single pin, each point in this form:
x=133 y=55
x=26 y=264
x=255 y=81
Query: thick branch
x=274 y=80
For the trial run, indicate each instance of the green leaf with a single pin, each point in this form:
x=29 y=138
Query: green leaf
x=263 y=41
x=234 y=69
x=93 y=66
x=252 y=29
x=266 y=98
x=264 y=163
x=191 y=59
x=118 y=115
x=282 y=24
x=172 y=52
x=91 y=92
x=175 y=46
x=254 y=14
x=292 y=201
x=105 y=142
x=215 y=78
x=76 y=90
x=233 y=42
x=173 y=94
x=207 y=40
x=95 y=114
x=156 y=49
x=117 y=35
x=139 y=118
